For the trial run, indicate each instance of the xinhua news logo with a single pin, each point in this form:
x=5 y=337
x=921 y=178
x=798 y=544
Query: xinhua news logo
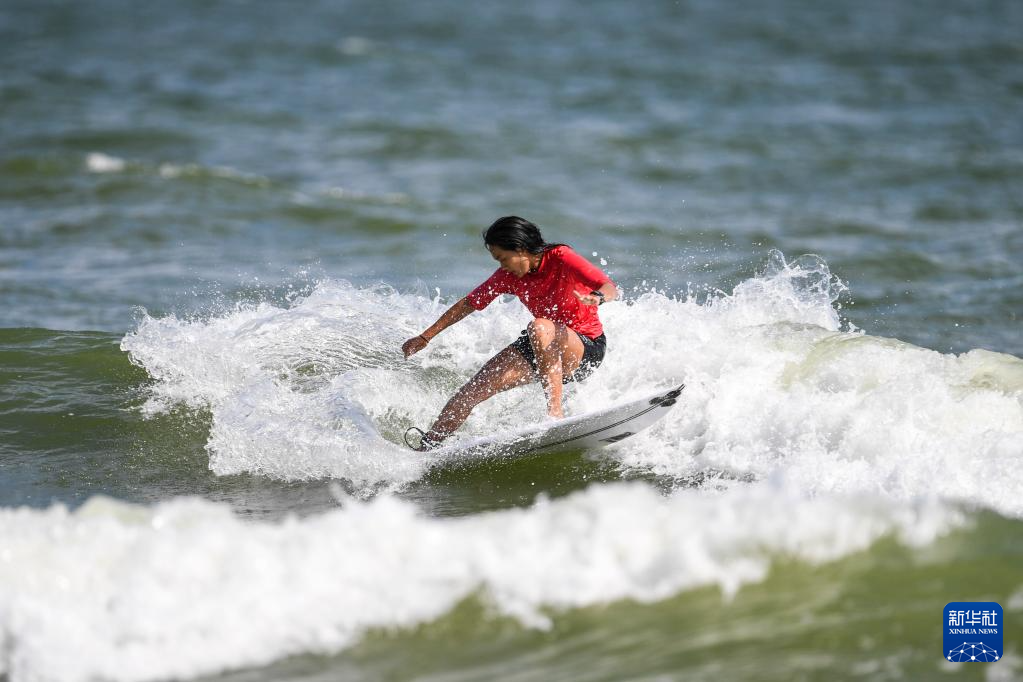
x=973 y=632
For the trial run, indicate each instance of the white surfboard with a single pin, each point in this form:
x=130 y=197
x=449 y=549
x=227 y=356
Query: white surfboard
x=591 y=430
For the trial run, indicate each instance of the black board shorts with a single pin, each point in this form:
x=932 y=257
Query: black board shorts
x=593 y=354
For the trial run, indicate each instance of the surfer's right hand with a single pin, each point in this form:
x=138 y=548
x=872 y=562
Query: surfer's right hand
x=414 y=345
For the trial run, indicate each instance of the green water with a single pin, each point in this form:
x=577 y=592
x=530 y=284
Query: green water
x=870 y=616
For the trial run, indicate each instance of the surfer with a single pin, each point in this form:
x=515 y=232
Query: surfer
x=564 y=342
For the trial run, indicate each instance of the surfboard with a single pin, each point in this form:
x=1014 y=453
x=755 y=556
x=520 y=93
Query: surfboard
x=585 y=431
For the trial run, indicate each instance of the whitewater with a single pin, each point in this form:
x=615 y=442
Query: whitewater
x=187 y=588
x=776 y=384
x=810 y=441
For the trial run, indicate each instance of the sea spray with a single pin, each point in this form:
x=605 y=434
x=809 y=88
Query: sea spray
x=186 y=588
x=776 y=383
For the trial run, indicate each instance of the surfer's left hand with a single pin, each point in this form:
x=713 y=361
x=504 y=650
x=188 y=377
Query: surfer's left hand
x=414 y=345
x=587 y=299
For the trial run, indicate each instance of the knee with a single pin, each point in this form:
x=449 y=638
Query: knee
x=542 y=331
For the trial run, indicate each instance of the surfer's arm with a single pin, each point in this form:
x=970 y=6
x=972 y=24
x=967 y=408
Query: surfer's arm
x=589 y=275
x=458 y=311
x=608 y=291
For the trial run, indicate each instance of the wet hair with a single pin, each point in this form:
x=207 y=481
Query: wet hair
x=513 y=233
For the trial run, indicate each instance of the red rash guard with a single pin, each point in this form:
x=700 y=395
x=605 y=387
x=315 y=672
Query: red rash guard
x=548 y=292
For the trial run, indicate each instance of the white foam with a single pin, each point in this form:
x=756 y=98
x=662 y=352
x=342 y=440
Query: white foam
x=192 y=170
x=97 y=162
x=774 y=385
x=292 y=391
x=185 y=588
x=102 y=163
x=843 y=411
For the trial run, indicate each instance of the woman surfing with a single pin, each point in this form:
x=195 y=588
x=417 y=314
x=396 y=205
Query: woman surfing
x=564 y=342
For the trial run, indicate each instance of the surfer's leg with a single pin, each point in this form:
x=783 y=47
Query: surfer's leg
x=558 y=351
x=505 y=370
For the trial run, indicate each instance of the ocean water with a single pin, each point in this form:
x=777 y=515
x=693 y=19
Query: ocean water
x=219 y=221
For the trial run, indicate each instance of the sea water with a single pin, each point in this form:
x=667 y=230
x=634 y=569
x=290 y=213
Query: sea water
x=218 y=224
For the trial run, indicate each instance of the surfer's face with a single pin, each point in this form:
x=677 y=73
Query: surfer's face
x=517 y=263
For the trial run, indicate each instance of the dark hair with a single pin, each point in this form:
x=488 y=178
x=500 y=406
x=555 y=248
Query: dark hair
x=513 y=233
